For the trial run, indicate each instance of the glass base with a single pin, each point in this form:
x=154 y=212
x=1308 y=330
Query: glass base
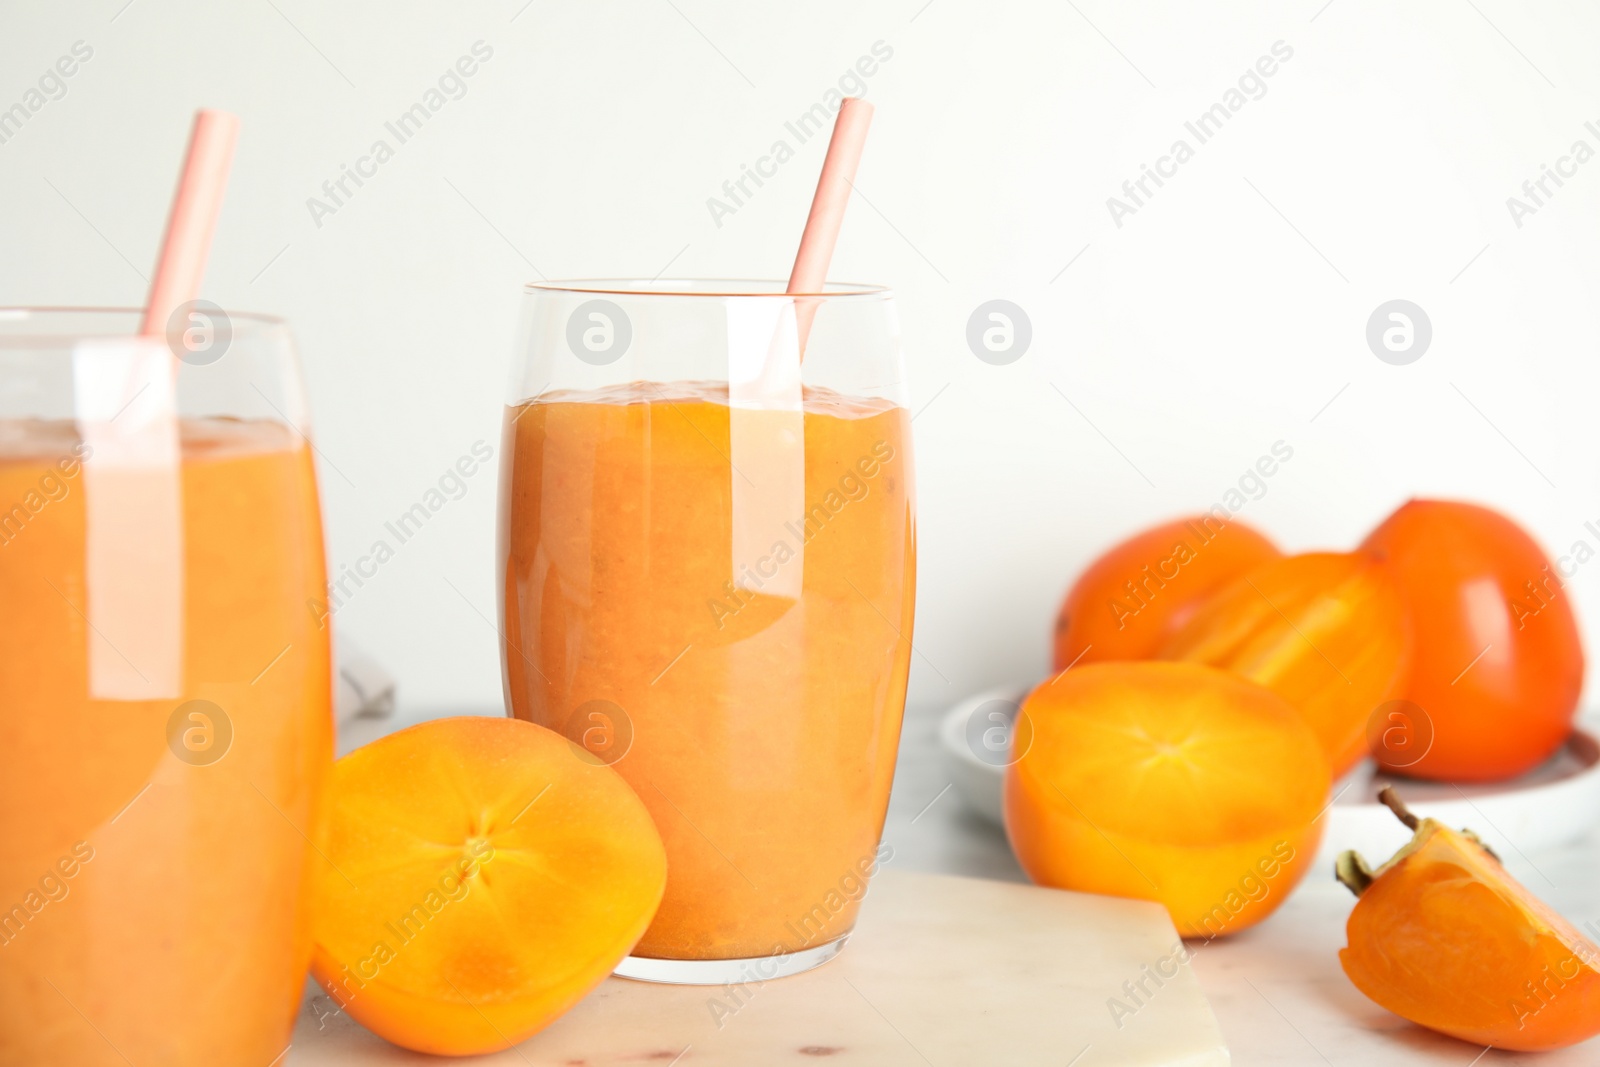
x=751 y=970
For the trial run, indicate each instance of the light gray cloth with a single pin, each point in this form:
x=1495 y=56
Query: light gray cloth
x=362 y=687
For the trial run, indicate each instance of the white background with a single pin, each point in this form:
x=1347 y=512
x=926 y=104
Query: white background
x=1227 y=314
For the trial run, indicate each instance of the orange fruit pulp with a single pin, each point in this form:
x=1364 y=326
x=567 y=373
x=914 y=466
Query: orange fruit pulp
x=1443 y=936
x=1327 y=631
x=1173 y=782
x=483 y=874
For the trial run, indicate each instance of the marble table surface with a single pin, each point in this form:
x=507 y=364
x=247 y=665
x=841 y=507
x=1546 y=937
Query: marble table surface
x=940 y=971
x=1277 y=989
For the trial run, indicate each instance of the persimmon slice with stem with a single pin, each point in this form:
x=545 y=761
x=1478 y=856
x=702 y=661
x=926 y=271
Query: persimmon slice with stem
x=1443 y=936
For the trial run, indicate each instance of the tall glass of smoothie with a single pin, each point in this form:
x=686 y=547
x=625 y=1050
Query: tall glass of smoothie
x=707 y=568
x=165 y=730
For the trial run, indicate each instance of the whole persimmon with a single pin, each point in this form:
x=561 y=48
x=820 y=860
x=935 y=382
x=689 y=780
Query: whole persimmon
x=1497 y=664
x=1327 y=631
x=482 y=876
x=1173 y=782
x=1128 y=598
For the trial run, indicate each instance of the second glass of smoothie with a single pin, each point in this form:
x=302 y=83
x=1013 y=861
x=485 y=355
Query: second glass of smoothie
x=165 y=693
x=707 y=571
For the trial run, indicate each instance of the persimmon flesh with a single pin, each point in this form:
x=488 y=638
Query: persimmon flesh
x=482 y=876
x=1126 y=600
x=1327 y=631
x=1443 y=936
x=1173 y=782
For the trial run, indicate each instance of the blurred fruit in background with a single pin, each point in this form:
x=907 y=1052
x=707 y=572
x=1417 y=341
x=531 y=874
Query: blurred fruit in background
x=1172 y=782
x=1128 y=598
x=1327 y=631
x=1497 y=664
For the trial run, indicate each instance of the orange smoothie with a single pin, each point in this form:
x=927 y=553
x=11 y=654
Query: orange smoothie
x=150 y=903
x=751 y=696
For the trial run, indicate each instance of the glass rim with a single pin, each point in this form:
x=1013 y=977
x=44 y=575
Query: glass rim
x=715 y=288
x=23 y=313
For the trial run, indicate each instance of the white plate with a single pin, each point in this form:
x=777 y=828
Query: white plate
x=1550 y=806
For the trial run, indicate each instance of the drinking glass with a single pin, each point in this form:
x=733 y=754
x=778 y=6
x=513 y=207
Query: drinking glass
x=165 y=726
x=707 y=570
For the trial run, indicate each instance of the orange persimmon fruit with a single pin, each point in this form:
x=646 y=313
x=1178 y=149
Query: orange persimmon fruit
x=1327 y=631
x=1125 y=600
x=482 y=877
x=1443 y=936
x=1173 y=782
x=1497 y=664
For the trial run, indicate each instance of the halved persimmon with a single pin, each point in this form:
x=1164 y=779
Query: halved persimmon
x=1126 y=600
x=482 y=876
x=1327 y=631
x=1443 y=936
x=1173 y=782
x=1497 y=665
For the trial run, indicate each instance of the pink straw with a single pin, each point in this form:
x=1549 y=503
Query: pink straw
x=193 y=218
x=810 y=274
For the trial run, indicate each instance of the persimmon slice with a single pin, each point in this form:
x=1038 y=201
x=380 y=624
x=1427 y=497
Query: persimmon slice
x=1327 y=631
x=482 y=877
x=1443 y=936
